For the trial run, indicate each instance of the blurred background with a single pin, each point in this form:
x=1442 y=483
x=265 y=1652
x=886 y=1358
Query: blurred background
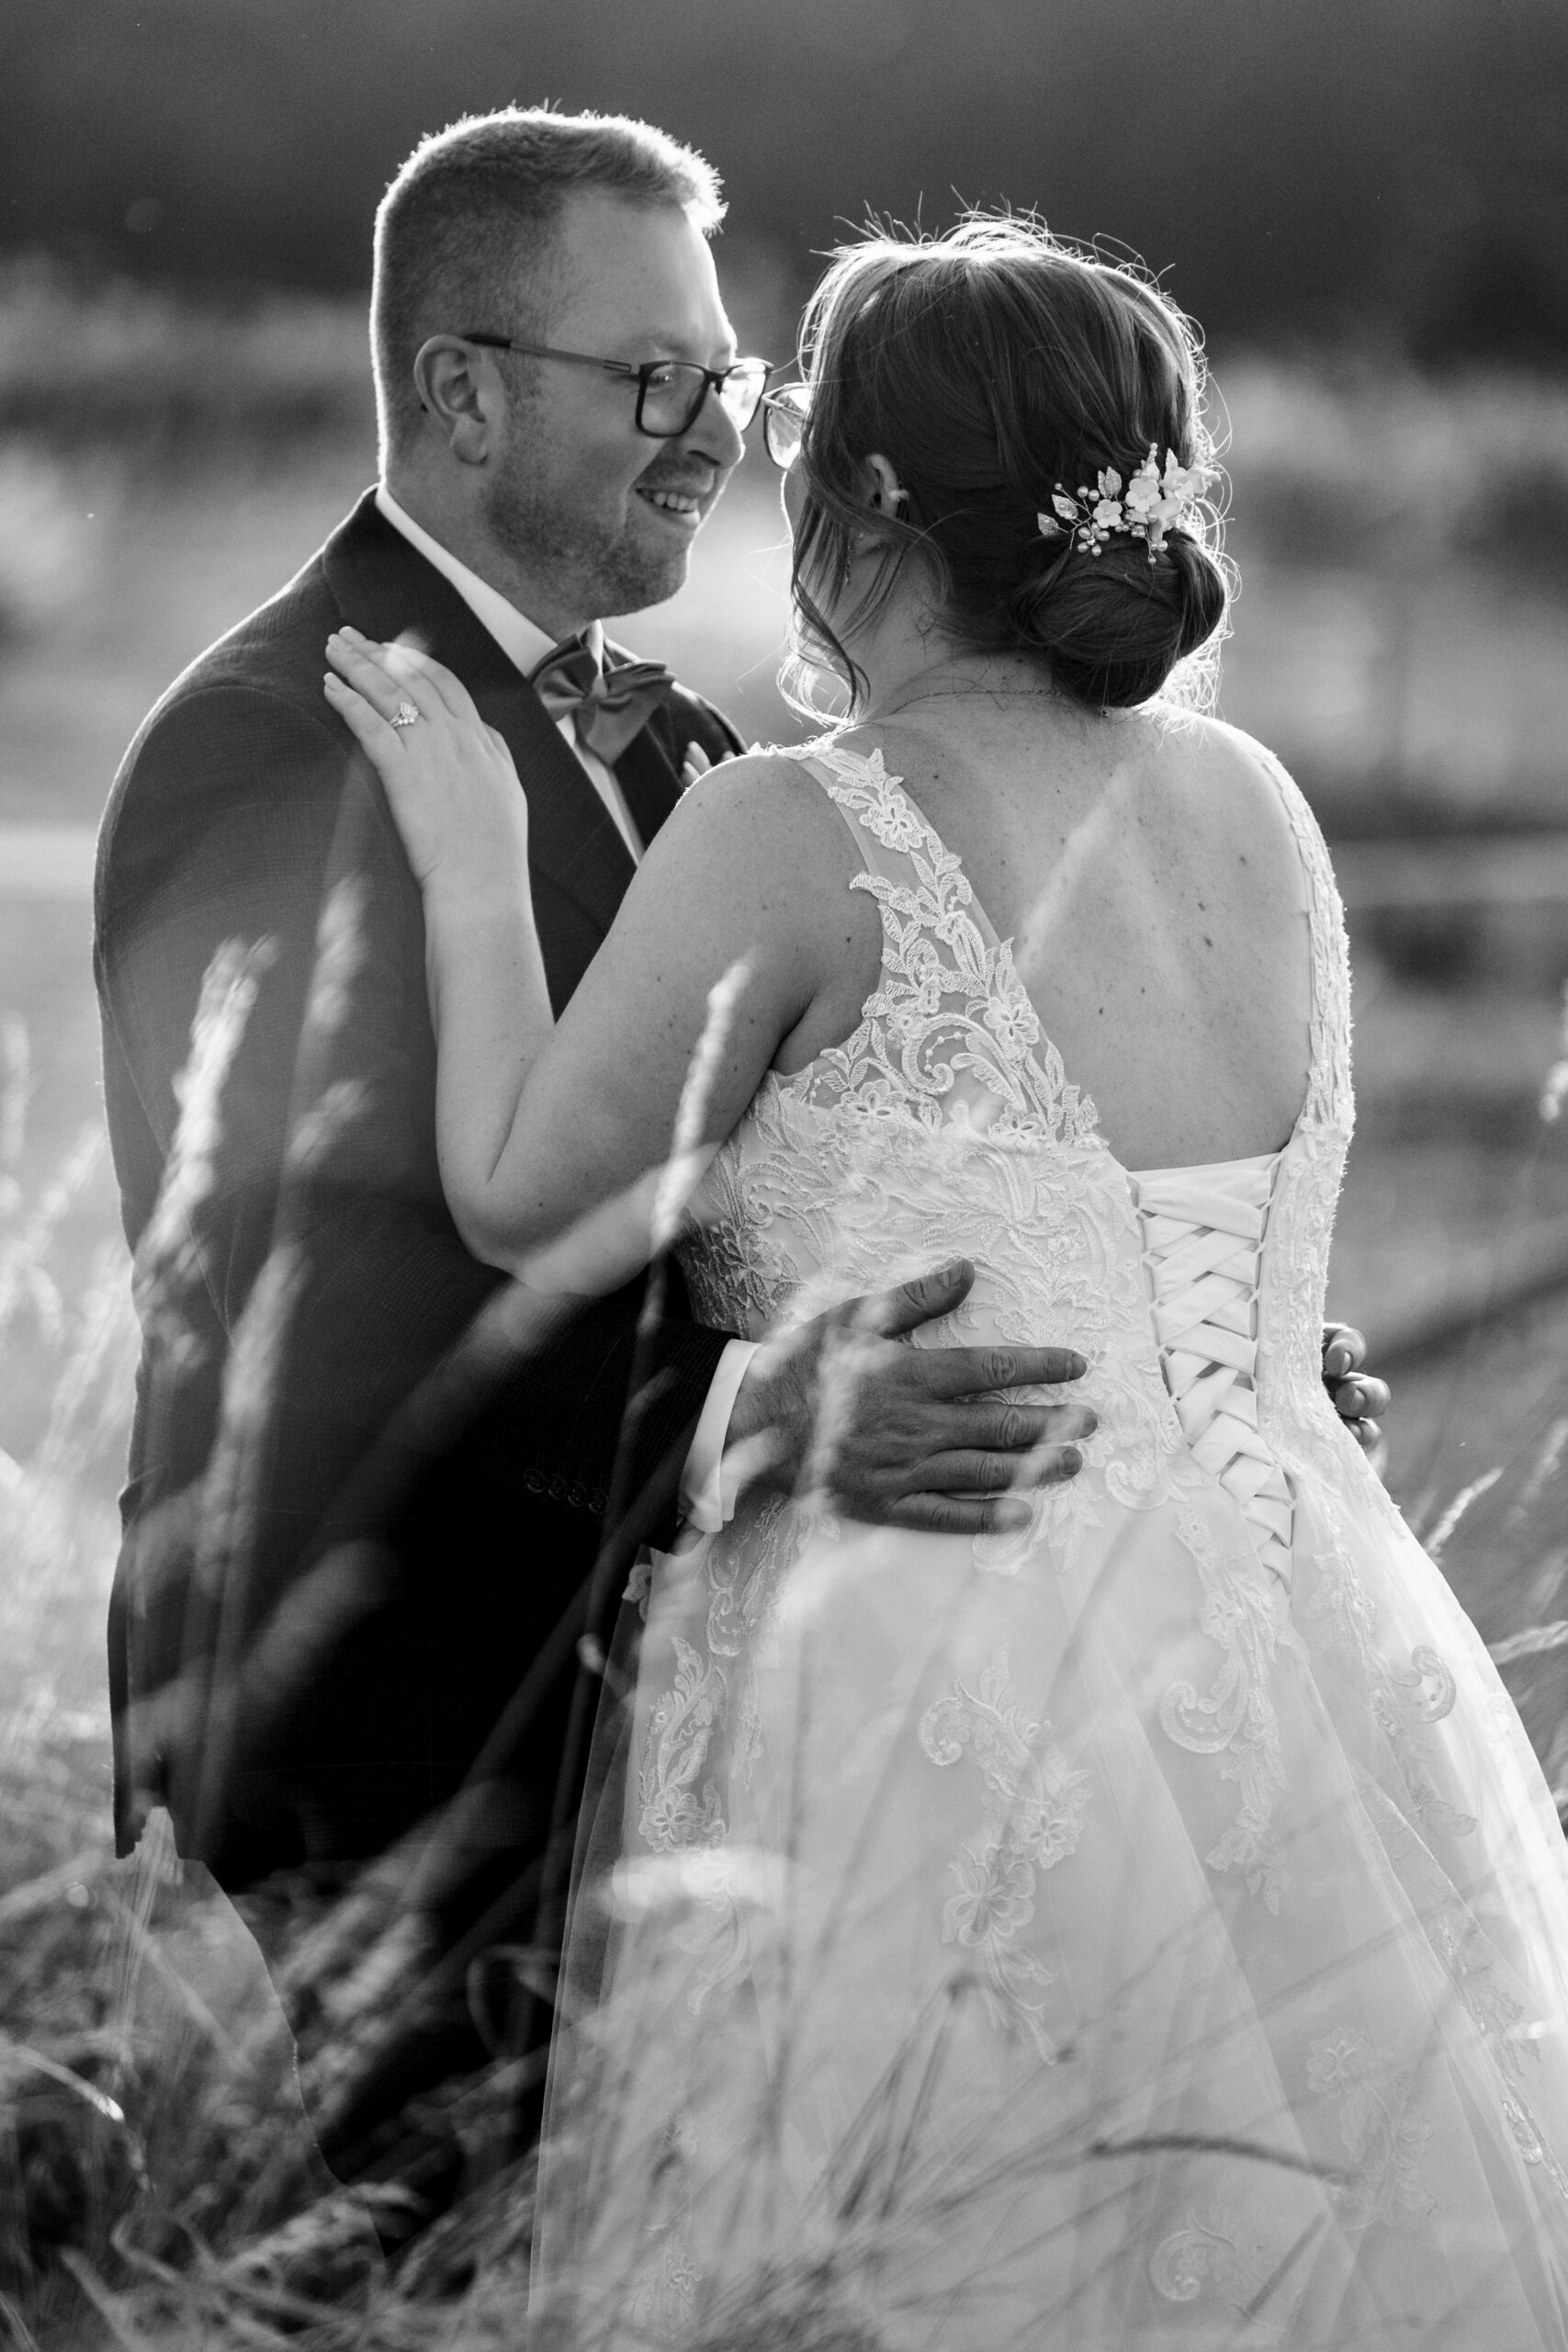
x=1363 y=205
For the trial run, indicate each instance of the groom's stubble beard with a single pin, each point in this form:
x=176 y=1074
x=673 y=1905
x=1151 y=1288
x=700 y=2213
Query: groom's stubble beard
x=601 y=570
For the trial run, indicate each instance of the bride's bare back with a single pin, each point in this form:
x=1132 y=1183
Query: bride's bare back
x=1143 y=866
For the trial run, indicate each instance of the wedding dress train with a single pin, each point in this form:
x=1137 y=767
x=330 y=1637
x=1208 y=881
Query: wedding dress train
x=1149 y=1930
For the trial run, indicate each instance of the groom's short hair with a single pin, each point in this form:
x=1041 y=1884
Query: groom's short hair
x=474 y=199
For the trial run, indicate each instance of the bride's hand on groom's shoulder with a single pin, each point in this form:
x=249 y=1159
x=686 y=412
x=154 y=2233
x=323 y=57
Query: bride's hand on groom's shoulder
x=449 y=779
x=902 y=1436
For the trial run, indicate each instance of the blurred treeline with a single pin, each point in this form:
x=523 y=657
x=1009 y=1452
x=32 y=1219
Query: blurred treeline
x=1362 y=200
x=1389 y=171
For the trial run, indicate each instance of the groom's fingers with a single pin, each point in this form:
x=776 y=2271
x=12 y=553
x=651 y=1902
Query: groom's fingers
x=992 y=1426
x=1360 y=1399
x=999 y=1474
x=1344 y=1350
x=951 y=1372
x=961 y=1371
x=905 y=1308
x=931 y=1514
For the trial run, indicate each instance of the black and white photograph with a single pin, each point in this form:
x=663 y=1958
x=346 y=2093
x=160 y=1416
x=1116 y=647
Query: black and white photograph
x=784 y=1195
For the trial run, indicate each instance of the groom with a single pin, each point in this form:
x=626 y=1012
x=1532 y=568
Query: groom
x=366 y=1539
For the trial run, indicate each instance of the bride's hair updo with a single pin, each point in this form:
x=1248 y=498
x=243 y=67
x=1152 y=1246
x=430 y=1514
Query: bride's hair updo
x=988 y=366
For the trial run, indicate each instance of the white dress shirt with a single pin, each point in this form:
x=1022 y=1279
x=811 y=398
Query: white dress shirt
x=524 y=644
x=707 y=1496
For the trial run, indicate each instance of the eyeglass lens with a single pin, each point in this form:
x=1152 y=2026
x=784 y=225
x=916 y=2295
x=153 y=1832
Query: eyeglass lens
x=673 y=395
x=783 y=422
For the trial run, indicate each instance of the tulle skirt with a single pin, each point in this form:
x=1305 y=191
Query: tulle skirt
x=1099 y=1944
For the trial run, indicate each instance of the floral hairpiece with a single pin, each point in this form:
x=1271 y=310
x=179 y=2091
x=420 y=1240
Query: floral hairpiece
x=1150 y=505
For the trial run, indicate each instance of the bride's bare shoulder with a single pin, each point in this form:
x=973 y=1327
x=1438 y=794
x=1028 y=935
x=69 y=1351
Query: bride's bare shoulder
x=1213 y=746
x=1228 y=771
x=766 y=803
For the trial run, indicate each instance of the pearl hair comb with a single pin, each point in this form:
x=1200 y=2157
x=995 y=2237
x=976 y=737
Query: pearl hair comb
x=1152 y=504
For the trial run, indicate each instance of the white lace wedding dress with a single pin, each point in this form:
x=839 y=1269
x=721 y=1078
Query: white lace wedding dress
x=1150 y=1931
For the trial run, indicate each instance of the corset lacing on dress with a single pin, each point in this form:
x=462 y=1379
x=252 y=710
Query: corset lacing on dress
x=1203 y=1231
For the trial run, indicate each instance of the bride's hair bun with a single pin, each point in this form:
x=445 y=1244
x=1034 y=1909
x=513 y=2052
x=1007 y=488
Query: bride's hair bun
x=992 y=368
x=1114 y=625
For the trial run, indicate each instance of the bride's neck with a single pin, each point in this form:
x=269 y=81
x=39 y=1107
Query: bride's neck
x=907 y=662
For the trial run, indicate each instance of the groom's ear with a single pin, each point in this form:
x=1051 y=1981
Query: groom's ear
x=460 y=392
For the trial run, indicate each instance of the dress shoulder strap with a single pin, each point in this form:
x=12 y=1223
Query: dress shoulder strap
x=884 y=823
x=950 y=1035
x=1330 y=1098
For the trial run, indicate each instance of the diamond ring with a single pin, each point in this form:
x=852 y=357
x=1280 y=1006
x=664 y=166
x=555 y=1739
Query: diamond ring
x=404 y=715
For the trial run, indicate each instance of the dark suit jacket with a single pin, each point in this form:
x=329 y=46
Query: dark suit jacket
x=349 y=1541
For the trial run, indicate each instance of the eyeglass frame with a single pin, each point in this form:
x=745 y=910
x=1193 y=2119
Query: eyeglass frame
x=713 y=378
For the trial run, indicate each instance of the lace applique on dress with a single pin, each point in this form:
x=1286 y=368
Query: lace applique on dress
x=673 y=1811
x=744 y=1578
x=1234 y=1718
x=1499 y=2018
x=1033 y=1813
x=1212 y=2251
x=1385 y=2143
x=1338 y=1615
x=950 y=1000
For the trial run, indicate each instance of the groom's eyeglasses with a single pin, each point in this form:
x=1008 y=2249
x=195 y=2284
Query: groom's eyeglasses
x=670 y=393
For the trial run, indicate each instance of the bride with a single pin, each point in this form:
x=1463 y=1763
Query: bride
x=1147 y=1926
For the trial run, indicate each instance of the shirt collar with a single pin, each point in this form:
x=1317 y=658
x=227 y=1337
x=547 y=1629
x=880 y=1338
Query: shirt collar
x=521 y=639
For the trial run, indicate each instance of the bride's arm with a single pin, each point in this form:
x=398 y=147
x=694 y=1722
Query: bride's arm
x=539 y=1126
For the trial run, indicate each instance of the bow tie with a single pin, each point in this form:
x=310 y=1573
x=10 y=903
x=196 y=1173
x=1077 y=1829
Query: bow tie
x=609 y=706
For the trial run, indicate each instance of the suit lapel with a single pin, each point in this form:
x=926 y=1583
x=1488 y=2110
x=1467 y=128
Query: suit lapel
x=384 y=586
x=646 y=776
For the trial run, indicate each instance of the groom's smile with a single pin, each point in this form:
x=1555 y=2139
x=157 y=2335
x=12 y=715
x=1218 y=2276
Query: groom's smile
x=681 y=505
x=684 y=501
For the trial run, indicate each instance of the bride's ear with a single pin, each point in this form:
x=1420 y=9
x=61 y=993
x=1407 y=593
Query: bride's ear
x=885 y=494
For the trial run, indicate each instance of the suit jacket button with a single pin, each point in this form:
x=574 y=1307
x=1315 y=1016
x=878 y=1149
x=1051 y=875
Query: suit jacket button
x=576 y=1496
x=597 y=1502
x=556 y=1490
x=535 y=1482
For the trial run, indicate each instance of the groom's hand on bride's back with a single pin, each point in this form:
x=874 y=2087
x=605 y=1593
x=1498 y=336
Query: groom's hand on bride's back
x=1358 y=1397
x=908 y=1437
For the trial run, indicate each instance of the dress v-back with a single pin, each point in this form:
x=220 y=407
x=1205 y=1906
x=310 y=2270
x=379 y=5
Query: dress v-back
x=1149 y=1928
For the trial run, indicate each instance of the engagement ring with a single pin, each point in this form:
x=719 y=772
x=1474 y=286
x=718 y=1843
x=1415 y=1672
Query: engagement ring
x=404 y=715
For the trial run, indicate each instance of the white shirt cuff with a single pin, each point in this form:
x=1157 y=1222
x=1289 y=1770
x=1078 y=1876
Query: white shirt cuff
x=707 y=1496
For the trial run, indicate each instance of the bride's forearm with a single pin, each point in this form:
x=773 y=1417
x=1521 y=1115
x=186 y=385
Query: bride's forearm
x=490 y=1008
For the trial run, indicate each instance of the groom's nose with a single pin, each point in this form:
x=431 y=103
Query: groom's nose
x=713 y=435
